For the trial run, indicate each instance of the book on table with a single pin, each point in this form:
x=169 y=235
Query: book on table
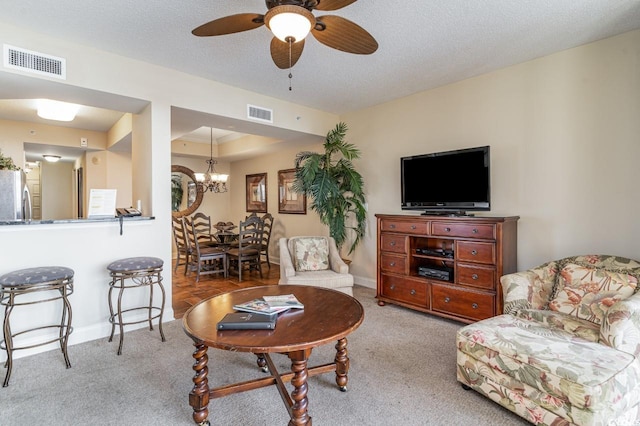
x=247 y=321
x=284 y=300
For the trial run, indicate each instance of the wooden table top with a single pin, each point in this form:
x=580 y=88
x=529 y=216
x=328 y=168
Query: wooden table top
x=328 y=315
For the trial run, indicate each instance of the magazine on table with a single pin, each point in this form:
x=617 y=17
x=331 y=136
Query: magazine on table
x=259 y=306
x=284 y=300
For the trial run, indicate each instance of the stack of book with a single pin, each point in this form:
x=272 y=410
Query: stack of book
x=259 y=314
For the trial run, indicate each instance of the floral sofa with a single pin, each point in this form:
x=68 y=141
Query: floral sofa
x=566 y=349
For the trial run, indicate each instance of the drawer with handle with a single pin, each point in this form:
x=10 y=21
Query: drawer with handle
x=472 y=251
x=464 y=230
x=390 y=263
x=475 y=276
x=460 y=302
x=405 y=290
x=404 y=227
x=393 y=242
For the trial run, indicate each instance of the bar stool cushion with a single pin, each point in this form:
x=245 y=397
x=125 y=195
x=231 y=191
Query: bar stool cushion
x=135 y=264
x=30 y=276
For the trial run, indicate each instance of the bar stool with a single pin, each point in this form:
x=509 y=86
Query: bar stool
x=141 y=271
x=38 y=282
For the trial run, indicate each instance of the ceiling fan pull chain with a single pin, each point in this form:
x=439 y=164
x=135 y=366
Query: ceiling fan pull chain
x=290 y=40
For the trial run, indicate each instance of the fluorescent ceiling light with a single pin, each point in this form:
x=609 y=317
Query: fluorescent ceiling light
x=56 y=110
x=51 y=158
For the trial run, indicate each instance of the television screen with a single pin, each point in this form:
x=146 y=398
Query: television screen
x=451 y=181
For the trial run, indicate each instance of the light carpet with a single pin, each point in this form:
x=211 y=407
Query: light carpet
x=403 y=371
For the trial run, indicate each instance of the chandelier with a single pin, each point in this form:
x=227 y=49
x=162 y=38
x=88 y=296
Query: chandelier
x=210 y=180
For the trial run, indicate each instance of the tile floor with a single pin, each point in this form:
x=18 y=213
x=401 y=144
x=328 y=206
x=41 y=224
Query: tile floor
x=187 y=293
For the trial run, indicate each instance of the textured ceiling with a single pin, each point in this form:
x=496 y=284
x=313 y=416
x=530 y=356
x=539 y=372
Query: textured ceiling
x=422 y=43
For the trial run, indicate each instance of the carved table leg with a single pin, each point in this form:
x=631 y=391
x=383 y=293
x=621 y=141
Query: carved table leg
x=199 y=395
x=342 y=364
x=299 y=415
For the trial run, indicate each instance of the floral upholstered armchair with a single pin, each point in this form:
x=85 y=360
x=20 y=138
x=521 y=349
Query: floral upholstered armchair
x=566 y=349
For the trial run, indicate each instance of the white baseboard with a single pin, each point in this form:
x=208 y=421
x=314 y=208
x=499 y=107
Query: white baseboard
x=364 y=282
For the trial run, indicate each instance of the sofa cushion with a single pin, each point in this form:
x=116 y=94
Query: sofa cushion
x=586 y=287
x=585 y=374
x=310 y=253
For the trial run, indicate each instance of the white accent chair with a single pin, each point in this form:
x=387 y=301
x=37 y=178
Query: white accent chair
x=335 y=275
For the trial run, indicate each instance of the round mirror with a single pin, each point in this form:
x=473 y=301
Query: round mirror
x=185 y=196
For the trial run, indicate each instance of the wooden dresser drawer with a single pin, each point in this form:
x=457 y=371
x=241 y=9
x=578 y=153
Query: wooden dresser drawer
x=464 y=230
x=471 y=251
x=475 y=276
x=404 y=227
x=392 y=242
x=462 y=302
x=390 y=263
x=405 y=290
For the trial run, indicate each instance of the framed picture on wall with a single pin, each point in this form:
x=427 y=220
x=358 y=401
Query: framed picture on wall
x=257 y=193
x=289 y=201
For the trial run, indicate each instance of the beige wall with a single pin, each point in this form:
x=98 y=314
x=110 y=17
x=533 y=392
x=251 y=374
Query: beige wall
x=564 y=132
x=57 y=190
x=14 y=133
x=284 y=225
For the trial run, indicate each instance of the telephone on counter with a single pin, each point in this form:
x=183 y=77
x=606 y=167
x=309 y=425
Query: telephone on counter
x=128 y=212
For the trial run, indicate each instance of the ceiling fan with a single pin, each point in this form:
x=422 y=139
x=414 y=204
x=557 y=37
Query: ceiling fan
x=291 y=21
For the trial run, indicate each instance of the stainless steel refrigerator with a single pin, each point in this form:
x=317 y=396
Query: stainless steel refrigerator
x=15 y=200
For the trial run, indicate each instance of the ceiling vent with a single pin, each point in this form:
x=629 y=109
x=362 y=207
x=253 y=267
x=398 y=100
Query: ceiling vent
x=260 y=114
x=34 y=62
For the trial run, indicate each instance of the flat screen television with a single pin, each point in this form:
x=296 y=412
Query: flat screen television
x=450 y=182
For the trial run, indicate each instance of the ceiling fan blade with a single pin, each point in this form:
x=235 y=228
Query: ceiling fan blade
x=280 y=52
x=333 y=4
x=230 y=24
x=342 y=34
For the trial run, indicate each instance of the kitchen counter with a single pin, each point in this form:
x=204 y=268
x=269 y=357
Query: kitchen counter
x=66 y=221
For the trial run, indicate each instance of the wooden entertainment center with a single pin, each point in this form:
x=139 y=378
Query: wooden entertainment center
x=448 y=266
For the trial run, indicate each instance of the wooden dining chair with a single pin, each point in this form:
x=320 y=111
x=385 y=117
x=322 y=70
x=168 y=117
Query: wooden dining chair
x=183 y=250
x=205 y=258
x=267 y=221
x=202 y=223
x=247 y=253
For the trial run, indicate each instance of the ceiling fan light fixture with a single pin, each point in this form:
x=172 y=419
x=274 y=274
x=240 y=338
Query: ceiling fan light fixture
x=289 y=22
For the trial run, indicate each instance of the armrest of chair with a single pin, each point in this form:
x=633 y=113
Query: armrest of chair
x=335 y=261
x=529 y=289
x=286 y=264
x=620 y=328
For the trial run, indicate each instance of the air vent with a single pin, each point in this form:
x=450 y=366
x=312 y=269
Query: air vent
x=34 y=62
x=260 y=114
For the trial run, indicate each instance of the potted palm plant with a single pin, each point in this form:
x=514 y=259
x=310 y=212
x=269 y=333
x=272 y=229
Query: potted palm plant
x=334 y=186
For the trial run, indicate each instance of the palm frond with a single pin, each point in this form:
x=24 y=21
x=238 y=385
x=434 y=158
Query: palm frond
x=334 y=187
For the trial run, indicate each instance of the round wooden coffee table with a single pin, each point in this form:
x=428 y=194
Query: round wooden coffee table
x=328 y=315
